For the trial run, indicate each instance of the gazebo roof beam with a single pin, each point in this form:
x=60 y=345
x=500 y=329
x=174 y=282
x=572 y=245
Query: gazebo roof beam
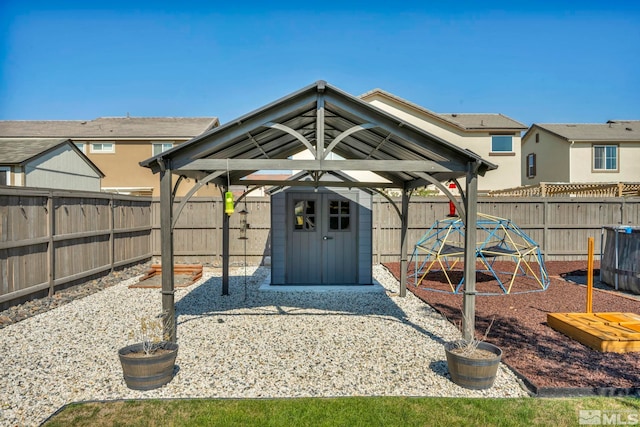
x=427 y=166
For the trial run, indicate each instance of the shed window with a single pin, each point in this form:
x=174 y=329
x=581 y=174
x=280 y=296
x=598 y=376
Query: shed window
x=339 y=218
x=501 y=143
x=304 y=212
x=605 y=157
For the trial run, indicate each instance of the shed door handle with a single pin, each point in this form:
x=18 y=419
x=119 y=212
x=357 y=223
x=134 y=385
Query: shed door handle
x=327 y=238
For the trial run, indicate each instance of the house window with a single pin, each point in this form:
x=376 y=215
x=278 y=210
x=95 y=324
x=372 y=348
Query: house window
x=501 y=143
x=82 y=146
x=531 y=165
x=339 y=215
x=159 y=147
x=103 y=147
x=5 y=175
x=605 y=157
x=537 y=137
x=304 y=212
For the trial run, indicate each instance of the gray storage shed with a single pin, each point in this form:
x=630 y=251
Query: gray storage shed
x=321 y=236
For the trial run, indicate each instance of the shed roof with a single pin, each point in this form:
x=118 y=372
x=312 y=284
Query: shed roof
x=323 y=119
x=109 y=127
x=464 y=121
x=614 y=130
x=19 y=151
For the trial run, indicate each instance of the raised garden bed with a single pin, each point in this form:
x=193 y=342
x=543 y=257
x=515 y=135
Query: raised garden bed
x=184 y=275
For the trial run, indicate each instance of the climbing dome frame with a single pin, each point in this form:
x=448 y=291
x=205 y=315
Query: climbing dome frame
x=505 y=255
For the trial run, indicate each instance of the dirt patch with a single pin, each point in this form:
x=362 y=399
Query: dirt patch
x=546 y=358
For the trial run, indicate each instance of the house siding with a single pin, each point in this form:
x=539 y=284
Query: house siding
x=122 y=169
x=61 y=168
x=509 y=164
x=552 y=158
x=628 y=161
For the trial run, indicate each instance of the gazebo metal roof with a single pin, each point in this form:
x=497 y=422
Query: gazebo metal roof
x=322 y=119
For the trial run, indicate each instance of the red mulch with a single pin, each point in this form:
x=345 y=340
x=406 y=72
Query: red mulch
x=546 y=358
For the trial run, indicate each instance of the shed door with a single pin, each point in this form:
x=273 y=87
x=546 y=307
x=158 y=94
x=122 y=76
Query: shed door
x=322 y=241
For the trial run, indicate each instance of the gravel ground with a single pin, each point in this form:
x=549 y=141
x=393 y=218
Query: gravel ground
x=251 y=344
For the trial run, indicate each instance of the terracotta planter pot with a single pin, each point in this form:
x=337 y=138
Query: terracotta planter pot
x=146 y=372
x=477 y=372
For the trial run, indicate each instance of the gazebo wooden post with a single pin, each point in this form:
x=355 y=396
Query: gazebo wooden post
x=471 y=216
x=403 y=242
x=166 y=238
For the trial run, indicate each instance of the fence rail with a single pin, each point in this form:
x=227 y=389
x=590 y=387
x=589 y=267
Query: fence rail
x=50 y=238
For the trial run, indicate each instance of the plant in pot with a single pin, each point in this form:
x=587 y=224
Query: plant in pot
x=473 y=363
x=149 y=362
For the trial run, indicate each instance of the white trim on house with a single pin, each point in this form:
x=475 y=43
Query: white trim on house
x=164 y=146
x=104 y=147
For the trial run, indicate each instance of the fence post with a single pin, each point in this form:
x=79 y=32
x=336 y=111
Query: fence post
x=112 y=243
x=545 y=228
x=51 y=251
x=376 y=231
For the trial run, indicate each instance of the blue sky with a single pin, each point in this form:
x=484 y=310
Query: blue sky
x=555 y=61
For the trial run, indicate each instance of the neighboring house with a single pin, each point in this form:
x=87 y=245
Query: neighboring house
x=116 y=145
x=494 y=137
x=47 y=163
x=582 y=153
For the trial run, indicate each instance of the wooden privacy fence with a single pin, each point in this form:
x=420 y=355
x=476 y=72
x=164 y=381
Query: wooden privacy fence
x=560 y=225
x=49 y=238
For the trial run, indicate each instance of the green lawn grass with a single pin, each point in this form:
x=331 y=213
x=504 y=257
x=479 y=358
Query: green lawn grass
x=344 y=411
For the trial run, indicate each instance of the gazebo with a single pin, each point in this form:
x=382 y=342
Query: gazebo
x=322 y=119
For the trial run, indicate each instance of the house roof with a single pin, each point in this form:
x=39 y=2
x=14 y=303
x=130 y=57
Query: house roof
x=18 y=151
x=464 y=121
x=613 y=130
x=109 y=127
x=323 y=119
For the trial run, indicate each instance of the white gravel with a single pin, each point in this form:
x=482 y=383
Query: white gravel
x=249 y=344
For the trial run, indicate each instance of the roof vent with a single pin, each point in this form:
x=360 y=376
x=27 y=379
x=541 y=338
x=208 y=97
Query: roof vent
x=454 y=115
x=481 y=122
x=629 y=129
